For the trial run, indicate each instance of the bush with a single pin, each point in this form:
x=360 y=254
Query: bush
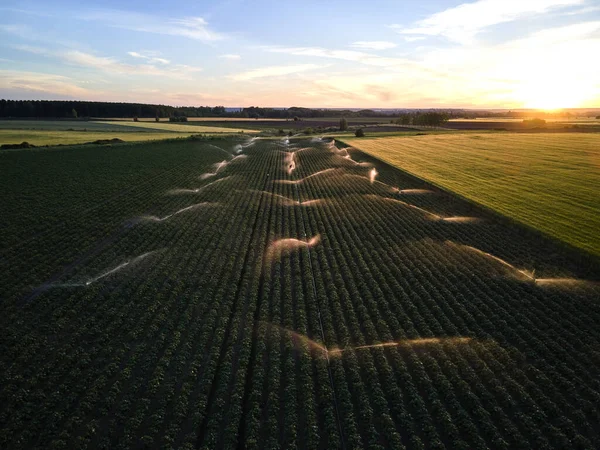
x=178 y=119
x=535 y=122
x=281 y=132
x=343 y=124
x=359 y=133
x=308 y=131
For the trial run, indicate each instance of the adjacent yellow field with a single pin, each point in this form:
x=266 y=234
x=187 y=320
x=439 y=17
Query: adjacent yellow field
x=168 y=126
x=549 y=181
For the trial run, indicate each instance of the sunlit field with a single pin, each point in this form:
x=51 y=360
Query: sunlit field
x=178 y=127
x=55 y=132
x=42 y=138
x=285 y=293
x=547 y=181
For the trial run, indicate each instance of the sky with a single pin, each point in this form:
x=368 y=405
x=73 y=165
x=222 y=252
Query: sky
x=312 y=53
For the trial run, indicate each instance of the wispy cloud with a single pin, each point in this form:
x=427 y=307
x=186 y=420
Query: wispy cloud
x=112 y=65
x=22 y=31
x=230 y=56
x=346 y=55
x=149 y=57
x=191 y=27
x=31 y=49
x=584 y=10
x=463 y=22
x=373 y=45
x=414 y=38
x=41 y=83
x=273 y=71
x=29 y=33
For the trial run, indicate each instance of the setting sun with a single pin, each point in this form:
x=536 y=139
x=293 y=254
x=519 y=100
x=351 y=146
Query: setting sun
x=553 y=93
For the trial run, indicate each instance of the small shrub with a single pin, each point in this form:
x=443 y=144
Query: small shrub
x=343 y=124
x=535 y=122
x=308 y=130
x=359 y=133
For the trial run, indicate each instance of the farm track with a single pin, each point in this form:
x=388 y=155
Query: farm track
x=393 y=329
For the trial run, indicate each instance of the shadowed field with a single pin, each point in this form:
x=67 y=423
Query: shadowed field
x=341 y=304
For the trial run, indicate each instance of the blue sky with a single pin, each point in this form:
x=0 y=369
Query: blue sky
x=428 y=53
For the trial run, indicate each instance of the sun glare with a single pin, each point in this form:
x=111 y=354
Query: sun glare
x=551 y=94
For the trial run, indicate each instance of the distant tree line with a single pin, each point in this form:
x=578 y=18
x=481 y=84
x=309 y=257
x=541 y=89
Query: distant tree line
x=80 y=109
x=430 y=119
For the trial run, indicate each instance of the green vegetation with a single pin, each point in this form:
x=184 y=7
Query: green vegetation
x=427 y=119
x=47 y=132
x=547 y=181
x=211 y=294
x=40 y=138
x=176 y=127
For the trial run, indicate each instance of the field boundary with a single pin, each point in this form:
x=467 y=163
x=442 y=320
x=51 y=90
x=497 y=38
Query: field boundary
x=588 y=262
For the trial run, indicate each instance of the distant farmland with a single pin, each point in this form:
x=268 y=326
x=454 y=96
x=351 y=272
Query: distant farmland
x=54 y=132
x=547 y=181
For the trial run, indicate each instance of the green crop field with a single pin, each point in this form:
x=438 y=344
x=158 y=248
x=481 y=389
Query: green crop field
x=39 y=137
x=48 y=132
x=248 y=293
x=178 y=127
x=547 y=181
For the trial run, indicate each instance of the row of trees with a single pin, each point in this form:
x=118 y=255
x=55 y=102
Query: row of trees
x=81 y=109
x=84 y=109
x=429 y=119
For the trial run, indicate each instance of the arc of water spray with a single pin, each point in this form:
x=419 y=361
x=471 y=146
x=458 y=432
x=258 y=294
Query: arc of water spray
x=375 y=182
x=313 y=345
x=400 y=202
x=276 y=249
x=195 y=191
x=187 y=208
x=218 y=167
x=221 y=149
x=492 y=257
x=301 y=180
x=372 y=174
x=436 y=217
x=120 y=266
x=250 y=142
x=567 y=282
x=415 y=191
x=106 y=273
x=529 y=276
